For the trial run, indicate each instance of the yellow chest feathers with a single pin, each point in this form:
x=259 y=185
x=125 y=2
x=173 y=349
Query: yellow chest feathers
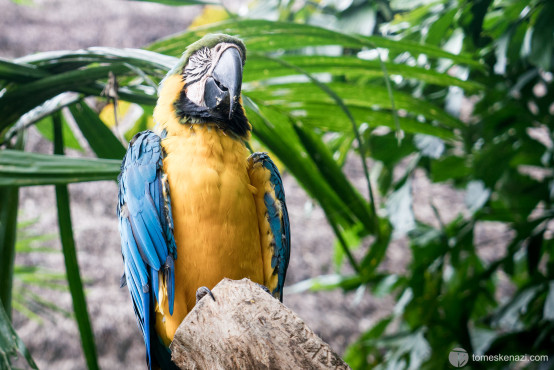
x=206 y=168
x=216 y=226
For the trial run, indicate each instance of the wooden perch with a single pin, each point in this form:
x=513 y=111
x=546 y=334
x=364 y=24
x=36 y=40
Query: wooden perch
x=246 y=328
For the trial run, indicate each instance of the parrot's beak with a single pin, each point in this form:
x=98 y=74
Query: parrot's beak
x=225 y=83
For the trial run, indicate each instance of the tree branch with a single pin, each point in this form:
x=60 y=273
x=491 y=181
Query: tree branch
x=246 y=328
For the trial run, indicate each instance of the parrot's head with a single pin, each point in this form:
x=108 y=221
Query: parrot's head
x=210 y=72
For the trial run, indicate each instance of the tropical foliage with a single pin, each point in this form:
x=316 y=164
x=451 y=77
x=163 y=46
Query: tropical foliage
x=394 y=84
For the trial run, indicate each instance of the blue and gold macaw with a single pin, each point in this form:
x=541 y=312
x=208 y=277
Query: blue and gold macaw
x=194 y=206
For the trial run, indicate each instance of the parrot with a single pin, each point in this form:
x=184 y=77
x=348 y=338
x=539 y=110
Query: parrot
x=194 y=205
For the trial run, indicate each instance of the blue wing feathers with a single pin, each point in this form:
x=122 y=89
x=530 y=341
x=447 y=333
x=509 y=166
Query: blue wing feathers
x=146 y=326
x=156 y=232
x=170 y=279
x=146 y=229
x=130 y=248
x=133 y=287
x=278 y=222
x=155 y=283
x=142 y=239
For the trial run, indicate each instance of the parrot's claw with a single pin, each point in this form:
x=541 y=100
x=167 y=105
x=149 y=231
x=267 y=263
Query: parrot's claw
x=203 y=291
x=266 y=289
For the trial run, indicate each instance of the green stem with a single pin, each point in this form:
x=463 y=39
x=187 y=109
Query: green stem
x=70 y=257
x=8 y=229
x=9 y=201
x=344 y=245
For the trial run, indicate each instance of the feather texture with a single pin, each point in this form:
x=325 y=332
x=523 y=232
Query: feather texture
x=146 y=228
x=273 y=220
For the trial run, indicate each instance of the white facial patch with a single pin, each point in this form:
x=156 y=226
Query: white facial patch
x=196 y=74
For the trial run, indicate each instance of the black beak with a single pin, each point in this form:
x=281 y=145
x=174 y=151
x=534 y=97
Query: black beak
x=225 y=84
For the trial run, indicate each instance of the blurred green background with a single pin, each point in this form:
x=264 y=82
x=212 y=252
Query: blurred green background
x=422 y=130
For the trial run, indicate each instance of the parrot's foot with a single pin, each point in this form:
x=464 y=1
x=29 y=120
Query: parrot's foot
x=266 y=289
x=257 y=157
x=201 y=293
